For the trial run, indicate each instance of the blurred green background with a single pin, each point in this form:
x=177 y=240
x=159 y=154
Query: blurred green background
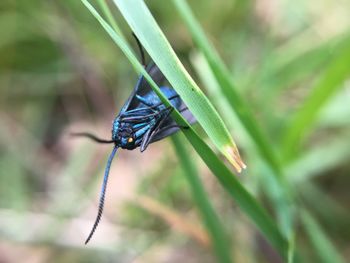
x=60 y=72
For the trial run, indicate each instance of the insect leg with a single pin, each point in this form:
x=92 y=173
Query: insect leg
x=138 y=118
x=183 y=109
x=141 y=118
x=145 y=140
x=139 y=126
x=152 y=131
x=143 y=130
x=147 y=109
x=124 y=115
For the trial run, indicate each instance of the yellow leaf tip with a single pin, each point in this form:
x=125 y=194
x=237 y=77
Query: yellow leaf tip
x=232 y=154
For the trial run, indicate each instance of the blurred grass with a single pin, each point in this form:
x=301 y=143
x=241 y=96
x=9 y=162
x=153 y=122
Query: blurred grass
x=226 y=178
x=59 y=72
x=228 y=91
x=327 y=252
x=220 y=241
x=336 y=73
x=227 y=88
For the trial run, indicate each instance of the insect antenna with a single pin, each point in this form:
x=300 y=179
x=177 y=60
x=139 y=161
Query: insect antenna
x=143 y=60
x=90 y=136
x=102 y=195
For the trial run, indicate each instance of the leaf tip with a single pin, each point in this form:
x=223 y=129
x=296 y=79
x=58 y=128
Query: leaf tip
x=232 y=154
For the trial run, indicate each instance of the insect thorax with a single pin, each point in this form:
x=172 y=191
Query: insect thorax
x=123 y=135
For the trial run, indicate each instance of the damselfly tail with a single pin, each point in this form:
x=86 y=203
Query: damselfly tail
x=102 y=195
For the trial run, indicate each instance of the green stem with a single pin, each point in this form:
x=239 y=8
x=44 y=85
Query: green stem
x=220 y=241
x=107 y=12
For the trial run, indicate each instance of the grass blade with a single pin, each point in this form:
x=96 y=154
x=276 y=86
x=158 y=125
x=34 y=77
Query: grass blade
x=243 y=198
x=152 y=38
x=219 y=239
x=227 y=87
x=336 y=73
x=230 y=183
x=324 y=248
x=275 y=190
x=284 y=209
x=109 y=16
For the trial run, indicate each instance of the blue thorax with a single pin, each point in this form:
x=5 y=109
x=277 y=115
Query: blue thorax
x=130 y=126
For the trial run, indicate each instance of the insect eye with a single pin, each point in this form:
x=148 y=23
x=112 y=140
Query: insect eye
x=130 y=140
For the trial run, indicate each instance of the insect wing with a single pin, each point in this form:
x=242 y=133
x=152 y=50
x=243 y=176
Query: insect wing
x=143 y=88
x=169 y=126
x=157 y=76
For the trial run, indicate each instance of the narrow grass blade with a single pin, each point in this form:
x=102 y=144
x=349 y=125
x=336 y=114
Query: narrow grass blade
x=336 y=73
x=331 y=210
x=283 y=204
x=245 y=200
x=291 y=56
x=308 y=164
x=227 y=87
x=122 y=44
x=152 y=38
x=107 y=12
x=284 y=210
x=323 y=246
x=220 y=241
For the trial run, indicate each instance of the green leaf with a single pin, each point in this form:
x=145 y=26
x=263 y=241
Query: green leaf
x=227 y=179
x=152 y=38
x=216 y=231
x=308 y=164
x=335 y=74
x=245 y=200
x=324 y=247
x=242 y=110
x=107 y=12
x=223 y=77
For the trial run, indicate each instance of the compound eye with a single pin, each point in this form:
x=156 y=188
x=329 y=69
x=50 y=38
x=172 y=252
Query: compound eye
x=130 y=140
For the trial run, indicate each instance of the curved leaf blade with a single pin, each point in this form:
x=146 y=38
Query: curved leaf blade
x=152 y=38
